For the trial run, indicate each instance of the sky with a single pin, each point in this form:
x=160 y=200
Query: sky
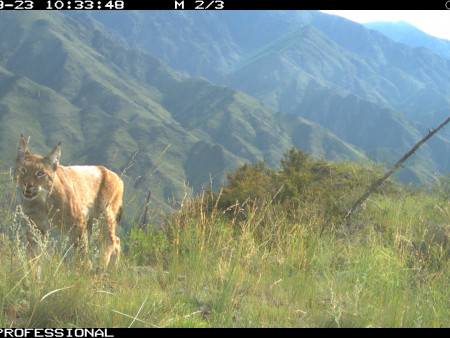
x=433 y=22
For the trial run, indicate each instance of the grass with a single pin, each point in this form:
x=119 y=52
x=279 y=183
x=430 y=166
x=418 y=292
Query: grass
x=255 y=266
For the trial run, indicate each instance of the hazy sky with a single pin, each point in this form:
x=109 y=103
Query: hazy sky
x=433 y=22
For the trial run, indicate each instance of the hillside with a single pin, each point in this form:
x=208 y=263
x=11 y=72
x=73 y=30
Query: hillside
x=278 y=109
x=279 y=257
x=392 y=72
x=408 y=34
x=317 y=66
x=63 y=79
x=402 y=31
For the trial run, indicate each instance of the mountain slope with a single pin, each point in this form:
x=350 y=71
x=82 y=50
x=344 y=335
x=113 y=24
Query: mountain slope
x=324 y=68
x=64 y=79
x=404 y=32
x=396 y=73
x=210 y=51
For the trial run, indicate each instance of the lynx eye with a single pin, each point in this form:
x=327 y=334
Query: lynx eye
x=23 y=171
x=40 y=174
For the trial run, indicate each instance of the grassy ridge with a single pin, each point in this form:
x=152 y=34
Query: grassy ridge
x=254 y=265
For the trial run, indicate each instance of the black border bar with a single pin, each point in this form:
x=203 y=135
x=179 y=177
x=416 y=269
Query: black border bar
x=220 y=5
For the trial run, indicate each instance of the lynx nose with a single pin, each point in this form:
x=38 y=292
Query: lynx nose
x=28 y=188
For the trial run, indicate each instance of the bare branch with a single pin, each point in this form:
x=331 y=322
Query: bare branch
x=375 y=185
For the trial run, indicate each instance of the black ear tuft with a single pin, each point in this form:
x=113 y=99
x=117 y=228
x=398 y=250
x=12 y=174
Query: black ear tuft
x=53 y=158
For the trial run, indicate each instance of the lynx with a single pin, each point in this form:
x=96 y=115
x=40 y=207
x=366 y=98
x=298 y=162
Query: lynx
x=69 y=198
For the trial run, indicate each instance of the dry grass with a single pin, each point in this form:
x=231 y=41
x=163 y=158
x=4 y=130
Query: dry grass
x=253 y=266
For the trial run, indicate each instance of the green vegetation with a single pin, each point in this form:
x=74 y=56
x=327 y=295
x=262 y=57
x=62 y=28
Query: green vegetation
x=105 y=101
x=372 y=93
x=268 y=250
x=301 y=182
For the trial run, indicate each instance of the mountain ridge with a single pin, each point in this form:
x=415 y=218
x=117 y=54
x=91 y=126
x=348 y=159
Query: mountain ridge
x=392 y=75
x=120 y=107
x=404 y=32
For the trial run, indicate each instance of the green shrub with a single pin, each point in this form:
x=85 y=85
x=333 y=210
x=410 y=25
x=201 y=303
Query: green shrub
x=146 y=247
x=301 y=181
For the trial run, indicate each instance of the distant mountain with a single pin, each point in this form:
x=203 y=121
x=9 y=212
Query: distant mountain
x=367 y=89
x=67 y=78
x=404 y=32
x=248 y=86
x=216 y=44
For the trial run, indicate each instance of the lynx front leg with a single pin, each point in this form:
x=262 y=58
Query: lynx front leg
x=33 y=245
x=35 y=239
x=79 y=239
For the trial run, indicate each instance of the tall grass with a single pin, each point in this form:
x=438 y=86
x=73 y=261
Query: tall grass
x=254 y=265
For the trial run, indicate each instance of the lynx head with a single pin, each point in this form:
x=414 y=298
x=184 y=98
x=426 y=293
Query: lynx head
x=34 y=173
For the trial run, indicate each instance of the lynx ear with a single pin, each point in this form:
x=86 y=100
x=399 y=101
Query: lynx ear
x=22 y=150
x=54 y=156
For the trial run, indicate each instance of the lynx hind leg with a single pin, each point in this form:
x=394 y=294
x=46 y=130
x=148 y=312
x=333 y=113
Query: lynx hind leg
x=116 y=252
x=111 y=243
x=111 y=250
